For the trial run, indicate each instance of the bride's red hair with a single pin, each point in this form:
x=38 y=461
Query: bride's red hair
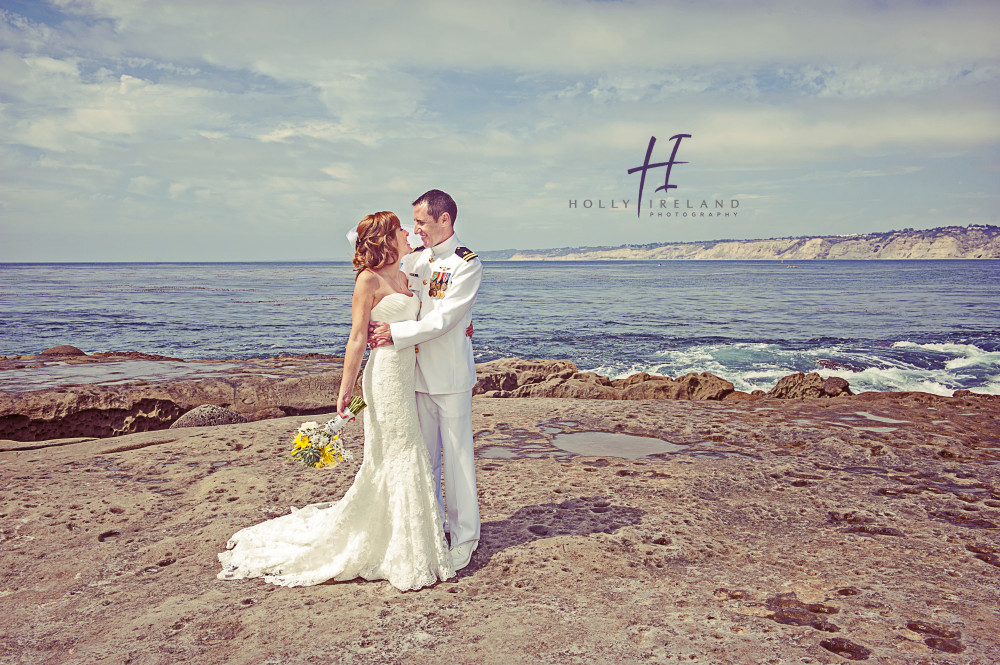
x=376 y=245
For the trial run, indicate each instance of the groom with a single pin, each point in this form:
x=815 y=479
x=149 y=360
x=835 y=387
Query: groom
x=445 y=276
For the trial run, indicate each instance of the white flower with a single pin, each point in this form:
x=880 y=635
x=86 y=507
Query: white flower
x=319 y=449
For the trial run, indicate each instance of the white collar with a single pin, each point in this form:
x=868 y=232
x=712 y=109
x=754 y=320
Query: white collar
x=445 y=247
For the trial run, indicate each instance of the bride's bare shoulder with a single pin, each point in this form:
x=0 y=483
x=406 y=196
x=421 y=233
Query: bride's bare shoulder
x=367 y=279
x=366 y=286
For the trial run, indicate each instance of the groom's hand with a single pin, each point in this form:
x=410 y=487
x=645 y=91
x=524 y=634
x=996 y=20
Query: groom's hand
x=379 y=334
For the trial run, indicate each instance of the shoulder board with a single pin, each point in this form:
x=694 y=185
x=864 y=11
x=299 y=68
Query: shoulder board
x=465 y=253
x=418 y=249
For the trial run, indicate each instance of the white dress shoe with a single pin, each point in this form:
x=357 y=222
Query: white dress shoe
x=462 y=554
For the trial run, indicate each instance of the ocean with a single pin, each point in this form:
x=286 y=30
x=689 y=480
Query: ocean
x=932 y=326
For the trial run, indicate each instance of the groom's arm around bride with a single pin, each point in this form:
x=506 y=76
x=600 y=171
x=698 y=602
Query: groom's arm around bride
x=447 y=287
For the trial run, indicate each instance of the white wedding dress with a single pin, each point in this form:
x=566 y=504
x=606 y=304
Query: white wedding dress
x=388 y=524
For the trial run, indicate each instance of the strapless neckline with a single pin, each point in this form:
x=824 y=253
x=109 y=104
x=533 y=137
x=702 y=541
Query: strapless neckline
x=393 y=310
x=394 y=293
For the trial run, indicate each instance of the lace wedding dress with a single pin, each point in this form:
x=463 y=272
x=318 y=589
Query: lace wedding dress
x=388 y=524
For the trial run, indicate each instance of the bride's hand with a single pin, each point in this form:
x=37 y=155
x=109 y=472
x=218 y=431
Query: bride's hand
x=342 y=402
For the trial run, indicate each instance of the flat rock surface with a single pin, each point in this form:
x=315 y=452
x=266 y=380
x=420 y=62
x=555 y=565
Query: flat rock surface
x=798 y=531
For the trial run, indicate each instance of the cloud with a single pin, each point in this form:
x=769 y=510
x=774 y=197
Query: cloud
x=144 y=185
x=862 y=173
x=553 y=36
x=57 y=109
x=884 y=79
x=258 y=117
x=766 y=134
x=327 y=131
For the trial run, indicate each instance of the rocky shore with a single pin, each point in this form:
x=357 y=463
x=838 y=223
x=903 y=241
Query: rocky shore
x=64 y=392
x=814 y=530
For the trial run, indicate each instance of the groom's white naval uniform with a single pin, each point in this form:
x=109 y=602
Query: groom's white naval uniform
x=446 y=278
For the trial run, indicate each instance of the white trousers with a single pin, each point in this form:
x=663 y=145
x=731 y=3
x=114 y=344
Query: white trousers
x=446 y=423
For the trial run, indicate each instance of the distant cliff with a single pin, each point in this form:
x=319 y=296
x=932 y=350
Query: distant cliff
x=949 y=242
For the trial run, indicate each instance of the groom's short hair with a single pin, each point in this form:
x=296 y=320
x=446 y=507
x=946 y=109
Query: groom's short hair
x=438 y=203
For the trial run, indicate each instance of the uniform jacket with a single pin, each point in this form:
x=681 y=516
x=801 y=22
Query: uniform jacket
x=446 y=278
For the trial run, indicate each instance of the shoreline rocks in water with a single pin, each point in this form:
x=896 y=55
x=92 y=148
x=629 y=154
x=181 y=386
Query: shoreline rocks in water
x=514 y=377
x=62 y=394
x=63 y=350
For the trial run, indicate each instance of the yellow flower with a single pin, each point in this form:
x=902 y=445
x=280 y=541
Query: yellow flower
x=326 y=459
x=301 y=441
x=320 y=451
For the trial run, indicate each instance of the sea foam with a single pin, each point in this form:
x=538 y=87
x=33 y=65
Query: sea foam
x=936 y=368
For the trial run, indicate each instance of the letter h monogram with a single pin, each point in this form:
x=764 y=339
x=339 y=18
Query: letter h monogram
x=646 y=166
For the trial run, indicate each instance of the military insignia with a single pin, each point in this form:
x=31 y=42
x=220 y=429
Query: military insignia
x=465 y=253
x=439 y=283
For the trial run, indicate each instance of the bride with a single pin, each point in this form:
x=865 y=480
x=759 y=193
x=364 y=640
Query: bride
x=388 y=525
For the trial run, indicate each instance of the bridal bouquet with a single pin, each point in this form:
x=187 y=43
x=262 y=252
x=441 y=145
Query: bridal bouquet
x=322 y=447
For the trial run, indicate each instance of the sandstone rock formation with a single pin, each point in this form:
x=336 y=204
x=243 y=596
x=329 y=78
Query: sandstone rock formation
x=799 y=385
x=208 y=414
x=694 y=386
x=63 y=350
x=513 y=377
x=255 y=389
x=507 y=374
x=305 y=385
x=951 y=242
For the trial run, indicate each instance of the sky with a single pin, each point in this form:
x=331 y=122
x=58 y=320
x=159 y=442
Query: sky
x=215 y=130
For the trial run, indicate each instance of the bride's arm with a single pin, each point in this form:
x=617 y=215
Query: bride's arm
x=361 y=309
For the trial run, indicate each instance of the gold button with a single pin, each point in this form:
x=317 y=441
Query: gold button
x=416 y=350
x=430 y=260
x=425 y=281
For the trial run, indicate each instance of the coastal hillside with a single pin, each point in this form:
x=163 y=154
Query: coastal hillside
x=949 y=242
